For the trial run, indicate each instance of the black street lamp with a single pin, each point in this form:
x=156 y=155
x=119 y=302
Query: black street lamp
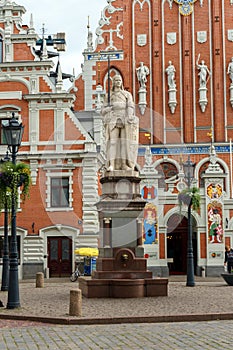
x=188 y=167
x=5 y=258
x=13 y=133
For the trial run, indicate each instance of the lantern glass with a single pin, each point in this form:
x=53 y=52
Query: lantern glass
x=13 y=132
x=188 y=167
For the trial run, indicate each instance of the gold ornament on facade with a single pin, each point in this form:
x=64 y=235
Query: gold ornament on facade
x=185 y=6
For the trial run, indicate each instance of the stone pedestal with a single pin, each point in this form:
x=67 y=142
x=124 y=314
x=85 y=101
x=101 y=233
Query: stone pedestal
x=203 y=101
x=121 y=269
x=142 y=100
x=172 y=102
x=119 y=208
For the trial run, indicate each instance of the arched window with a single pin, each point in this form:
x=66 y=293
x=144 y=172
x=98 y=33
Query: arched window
x=166 y=170
x=202 y=171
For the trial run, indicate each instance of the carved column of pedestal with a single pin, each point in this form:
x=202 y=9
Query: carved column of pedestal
x=139 y=232
x=107 y=232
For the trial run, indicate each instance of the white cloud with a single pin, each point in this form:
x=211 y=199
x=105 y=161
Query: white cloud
x=71 y=17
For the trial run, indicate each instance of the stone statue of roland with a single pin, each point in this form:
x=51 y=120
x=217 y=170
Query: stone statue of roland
x=121 y=128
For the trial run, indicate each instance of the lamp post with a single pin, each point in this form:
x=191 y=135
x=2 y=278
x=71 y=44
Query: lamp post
x=5 y=258
x=189 y=176
x=13 y=133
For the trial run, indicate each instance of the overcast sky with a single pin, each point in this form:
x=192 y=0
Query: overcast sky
x=69 y=16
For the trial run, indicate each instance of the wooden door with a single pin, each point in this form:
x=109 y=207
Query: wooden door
x=177 y=240
x=177 y=252
x=59 y=256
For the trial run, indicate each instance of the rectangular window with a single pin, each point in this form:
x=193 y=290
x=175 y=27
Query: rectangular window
x=59 y=192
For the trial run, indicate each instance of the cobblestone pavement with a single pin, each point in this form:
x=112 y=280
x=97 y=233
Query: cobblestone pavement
x=160 y=336
x=42 y=321
x=208 y=297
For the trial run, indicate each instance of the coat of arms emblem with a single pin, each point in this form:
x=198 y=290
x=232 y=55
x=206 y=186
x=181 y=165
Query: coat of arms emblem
x=185 y=6
x=230 y=34
x=141 y=39
x=171 y=38
x=202 y=37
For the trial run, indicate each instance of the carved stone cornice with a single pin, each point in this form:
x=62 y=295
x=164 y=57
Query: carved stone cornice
x=27 y=65
x=52 y=97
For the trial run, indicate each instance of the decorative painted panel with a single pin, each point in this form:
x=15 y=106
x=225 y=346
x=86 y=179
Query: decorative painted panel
x=150 y=224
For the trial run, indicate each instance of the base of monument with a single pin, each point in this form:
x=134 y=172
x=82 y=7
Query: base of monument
x=228 y=278
x=123 y=288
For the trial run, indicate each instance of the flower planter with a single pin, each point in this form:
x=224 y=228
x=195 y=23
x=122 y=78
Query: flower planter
x=22 y=179
x=13 y=176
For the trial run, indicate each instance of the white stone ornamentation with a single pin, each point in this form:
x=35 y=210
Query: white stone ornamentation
x=170 y=3
x=172 y=102
x=106 y=20
x=230 y=72
x=171 y=38
x=141 y=39
x=230 y=34
x=204 y=76
x=141 y=3
x=142 y=72
x=201 y=37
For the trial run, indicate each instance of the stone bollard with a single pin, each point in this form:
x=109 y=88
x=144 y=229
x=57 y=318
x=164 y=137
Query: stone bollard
x=203 y=271
x=75 y=302
x=39 y=280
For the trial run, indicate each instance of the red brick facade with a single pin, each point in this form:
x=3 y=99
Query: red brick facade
x=179 y=121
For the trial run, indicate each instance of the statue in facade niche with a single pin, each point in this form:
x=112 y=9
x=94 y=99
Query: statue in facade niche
x=204 y=73
x=170 y=70
x=142 y=72
x=121 y=128
x=230 y=70
x=204 y=76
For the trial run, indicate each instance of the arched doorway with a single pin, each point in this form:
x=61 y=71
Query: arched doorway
x=177 y=234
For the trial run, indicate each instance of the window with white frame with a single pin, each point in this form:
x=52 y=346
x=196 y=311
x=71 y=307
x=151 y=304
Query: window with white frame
x=59 y=191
